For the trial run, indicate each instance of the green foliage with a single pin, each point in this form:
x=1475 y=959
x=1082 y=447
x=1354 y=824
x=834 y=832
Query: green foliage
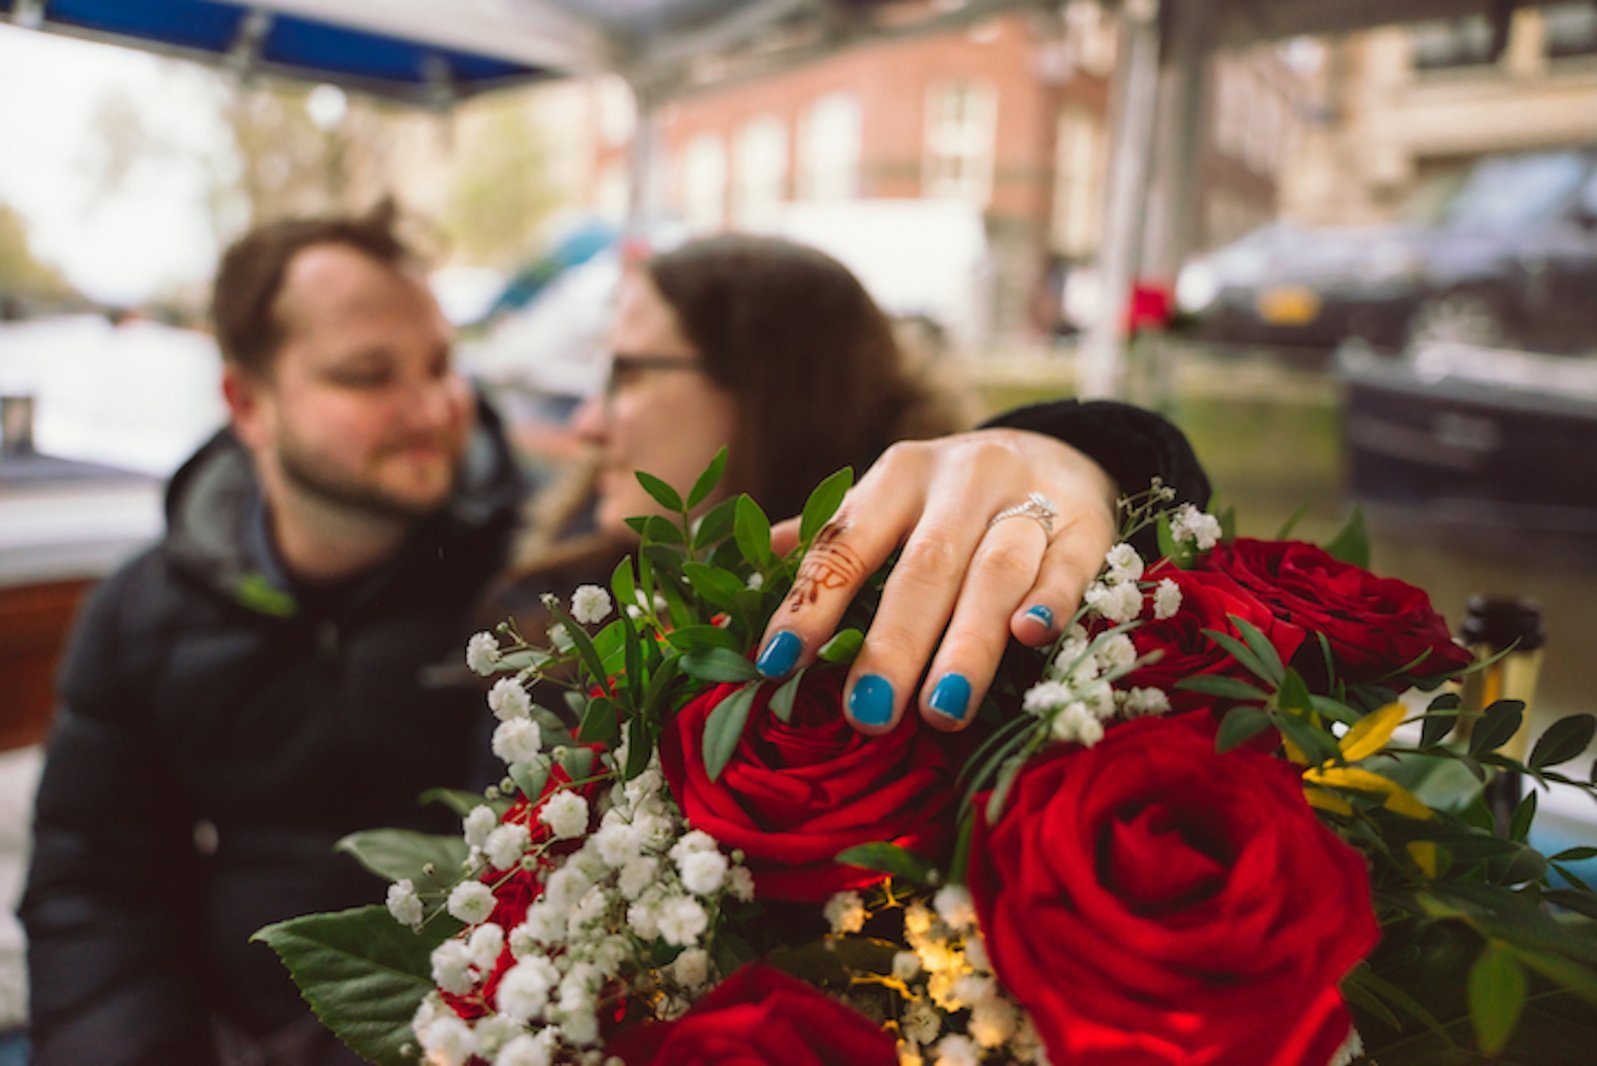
x=428 y=860
x=362 y=973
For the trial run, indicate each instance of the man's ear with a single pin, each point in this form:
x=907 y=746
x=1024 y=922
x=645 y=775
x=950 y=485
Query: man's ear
x=247 y=404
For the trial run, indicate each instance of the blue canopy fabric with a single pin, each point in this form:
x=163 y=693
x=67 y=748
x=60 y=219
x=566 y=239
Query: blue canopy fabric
x=273 y=42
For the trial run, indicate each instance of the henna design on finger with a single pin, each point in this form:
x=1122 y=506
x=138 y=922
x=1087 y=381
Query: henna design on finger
x=829 y=564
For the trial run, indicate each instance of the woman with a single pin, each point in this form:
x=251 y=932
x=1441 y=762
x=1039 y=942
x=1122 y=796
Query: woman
x=777 y=351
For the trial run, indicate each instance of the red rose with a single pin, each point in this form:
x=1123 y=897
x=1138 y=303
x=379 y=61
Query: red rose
x=1376 y=626
x=796 y=793
x=1150 y=901
x=760 y=1015
x=1206 y=600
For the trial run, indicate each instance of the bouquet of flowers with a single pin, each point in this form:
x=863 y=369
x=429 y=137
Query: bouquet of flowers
x=1211 y=824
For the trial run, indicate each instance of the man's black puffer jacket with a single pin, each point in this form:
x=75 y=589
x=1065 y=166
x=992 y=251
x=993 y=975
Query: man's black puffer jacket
x=219 y=730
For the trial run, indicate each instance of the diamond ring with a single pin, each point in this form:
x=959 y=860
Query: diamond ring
x=1036 y=506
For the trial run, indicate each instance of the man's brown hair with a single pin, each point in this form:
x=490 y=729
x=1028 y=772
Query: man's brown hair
x=250 y=276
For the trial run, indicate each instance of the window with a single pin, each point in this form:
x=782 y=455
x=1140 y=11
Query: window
x=1571 y=29
x=1461 y=42
x=1078 y=184
x=961 y=130
x=701 y=190
x=760 y=173
x=829 y=149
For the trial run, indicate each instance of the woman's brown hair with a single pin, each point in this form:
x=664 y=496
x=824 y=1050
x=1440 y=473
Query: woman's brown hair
x=818 y=375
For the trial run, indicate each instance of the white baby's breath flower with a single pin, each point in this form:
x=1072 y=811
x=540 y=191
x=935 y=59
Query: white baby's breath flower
x=1046 y=696
x=637 y=875
x=740 y=884
x=1141 y=701
x=906 y=965
x=482 y=653
x=517 y=740
x=692 y=968
x=920 y=1022
x=846 y=912
x=544 y=924
x=566 y=814
x=1122 y=604
x=682 y=921
x=448 y=1042
x=404 y=904
x=693 y=840
x=976 y=953
x=917 y=920
x=973 y=989
x=484 y=946
x=1351 y=1050
x=451 y=967
x=954 y=907
x=1190 y=525
x=560 y=638
x=580 y=1027
x=909 y=1054
x=993 y=1021
x=756 y=581
x=1166 y=599
x=956 y=1050
x=1116 y=651
x=478 y=824
x=525 y=1050
x=471 y=901
x=703 y=872
x=565 y=886
x=643 y=917
x=505 y=845
x=1124 y=563
x=590 y=604
x=507 y=699
x=524 y=989
x=494 y=1031
x=1076 y=724
x=616 y=842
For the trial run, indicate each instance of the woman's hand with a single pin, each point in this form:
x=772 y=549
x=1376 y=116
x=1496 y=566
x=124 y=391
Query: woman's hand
x=964 y=582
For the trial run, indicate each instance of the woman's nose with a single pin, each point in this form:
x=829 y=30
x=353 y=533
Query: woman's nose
x=589 y=421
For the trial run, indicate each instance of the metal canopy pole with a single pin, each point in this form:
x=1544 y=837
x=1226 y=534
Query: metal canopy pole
x=1102 y=370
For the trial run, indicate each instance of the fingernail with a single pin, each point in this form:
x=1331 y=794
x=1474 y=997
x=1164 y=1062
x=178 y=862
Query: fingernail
x=951 y=697
x=1042 y=616
x=780 y=654
x=871 y=702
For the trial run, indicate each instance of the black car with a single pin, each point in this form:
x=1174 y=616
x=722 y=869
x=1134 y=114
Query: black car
x=1508 y=259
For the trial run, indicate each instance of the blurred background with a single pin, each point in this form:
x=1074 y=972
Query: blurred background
x=1350 y=247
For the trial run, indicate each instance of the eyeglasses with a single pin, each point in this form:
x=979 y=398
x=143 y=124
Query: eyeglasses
x=626 y=370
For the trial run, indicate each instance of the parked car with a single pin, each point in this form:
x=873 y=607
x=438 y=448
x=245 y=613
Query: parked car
x=1508 y=260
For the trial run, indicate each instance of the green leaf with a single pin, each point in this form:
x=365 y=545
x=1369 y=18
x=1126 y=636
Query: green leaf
x=1181 y=555
x=1240 y=725
x=1352 y=544
x=694 y=638
x=714 y=524
x=782 y=699
x=1230 y=688
x=890 y=859
x=752 y=531
x=1564 y=739
x=600 y=725
x=1496 y=996
x=718 y=664
x=843 y=647
x=1316 y=744
x=663 y=494
x=624 y=585
x=1242 y=654
x=639 y=745
x=715 y=586
x=1524 y=814
x=654 y=529
x=1294 y=693
x=823 y=503
x=1580 y=854
x=1006 y=781
x=397 y=854
x=1437 y=725
x=724 y=729
x=959 y=865
x=1285 y=532
x=708 y=480
x=1497 y=726
x=1261 y=646
x=461 y=802
x=1579 y=979
x=531 y=776
x=362 y=973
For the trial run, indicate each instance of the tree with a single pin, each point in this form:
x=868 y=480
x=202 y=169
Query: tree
x=22 y=273
x=499 y=192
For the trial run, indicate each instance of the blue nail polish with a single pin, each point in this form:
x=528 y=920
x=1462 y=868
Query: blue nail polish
x=1041 y=615
x=951 y=697
x=780 y=654
x=871 y=702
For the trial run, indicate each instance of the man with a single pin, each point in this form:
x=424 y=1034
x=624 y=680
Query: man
x=283 y=668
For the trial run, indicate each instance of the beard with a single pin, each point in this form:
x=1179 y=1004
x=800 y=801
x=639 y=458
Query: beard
x=327 y=483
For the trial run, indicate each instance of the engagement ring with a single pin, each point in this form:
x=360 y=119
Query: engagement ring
x=1037 y=506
